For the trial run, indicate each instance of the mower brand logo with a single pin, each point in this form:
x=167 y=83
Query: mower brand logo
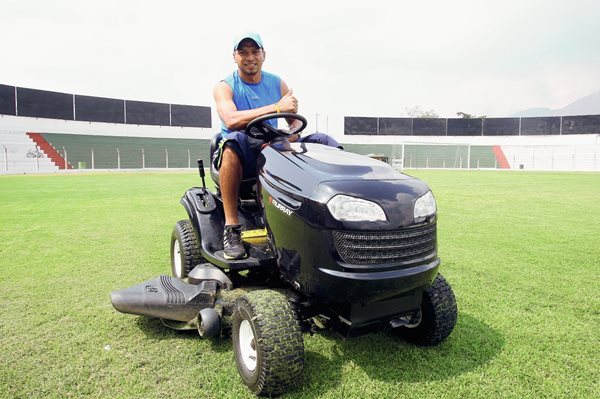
x=279 y=206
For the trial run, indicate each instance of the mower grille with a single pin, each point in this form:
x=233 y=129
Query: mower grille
x=374 y=247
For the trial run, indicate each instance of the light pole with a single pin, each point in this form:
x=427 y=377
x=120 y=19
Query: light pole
x=5 y=157
x=66 y=161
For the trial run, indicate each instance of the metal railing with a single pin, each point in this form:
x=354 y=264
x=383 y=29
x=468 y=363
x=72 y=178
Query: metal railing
x=401 y=156
x=133 y=159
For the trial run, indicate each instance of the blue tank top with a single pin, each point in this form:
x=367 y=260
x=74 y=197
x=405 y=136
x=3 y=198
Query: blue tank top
x=254 y=95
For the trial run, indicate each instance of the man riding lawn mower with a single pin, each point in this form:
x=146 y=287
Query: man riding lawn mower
x=333 y=240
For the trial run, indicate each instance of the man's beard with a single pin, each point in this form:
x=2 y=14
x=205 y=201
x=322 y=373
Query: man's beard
x=251 y=69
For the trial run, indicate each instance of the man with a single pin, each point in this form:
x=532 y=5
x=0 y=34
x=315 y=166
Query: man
x=243 y=96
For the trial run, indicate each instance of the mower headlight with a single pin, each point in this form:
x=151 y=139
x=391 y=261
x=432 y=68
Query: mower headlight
x=351 y=209
x=425 y=206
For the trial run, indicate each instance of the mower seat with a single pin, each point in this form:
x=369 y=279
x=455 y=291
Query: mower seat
x=247 y=186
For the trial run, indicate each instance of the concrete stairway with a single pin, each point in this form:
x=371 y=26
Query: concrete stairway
x=501 y=160
x=49 y=150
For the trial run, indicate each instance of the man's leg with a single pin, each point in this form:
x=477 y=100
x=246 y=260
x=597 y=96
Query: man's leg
x=320 y=138
x=230 y=175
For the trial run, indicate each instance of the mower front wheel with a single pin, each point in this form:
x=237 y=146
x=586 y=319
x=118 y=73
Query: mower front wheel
x=185 y=249
x=209 y=323
x=437 y=316
x=267 y=341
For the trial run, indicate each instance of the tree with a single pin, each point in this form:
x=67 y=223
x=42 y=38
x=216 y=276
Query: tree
x=464 y=115
x=418 y=112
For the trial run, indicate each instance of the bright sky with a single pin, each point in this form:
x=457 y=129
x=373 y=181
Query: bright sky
x=354 y=58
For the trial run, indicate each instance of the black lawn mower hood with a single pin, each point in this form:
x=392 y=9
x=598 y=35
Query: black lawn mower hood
x=313 y=172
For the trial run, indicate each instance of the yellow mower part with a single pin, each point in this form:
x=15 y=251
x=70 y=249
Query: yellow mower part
x=256 y=237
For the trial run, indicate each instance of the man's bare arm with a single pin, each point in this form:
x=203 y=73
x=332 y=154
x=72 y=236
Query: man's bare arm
x=237 y=120
x=228 y=112
x=293 y=123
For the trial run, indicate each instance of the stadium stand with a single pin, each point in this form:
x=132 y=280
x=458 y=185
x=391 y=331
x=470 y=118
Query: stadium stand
x=531 y=143
x=19 y=101
x=19 y=154
x=68 y=131
x=526 y=126
x=432 y=155
x=111 y=152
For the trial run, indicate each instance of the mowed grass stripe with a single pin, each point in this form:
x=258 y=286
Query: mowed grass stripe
x=519 y=248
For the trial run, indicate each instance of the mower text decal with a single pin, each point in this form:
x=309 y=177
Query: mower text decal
x=280 y=206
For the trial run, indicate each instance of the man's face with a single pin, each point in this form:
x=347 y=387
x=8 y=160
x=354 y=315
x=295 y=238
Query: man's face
x=249 y=57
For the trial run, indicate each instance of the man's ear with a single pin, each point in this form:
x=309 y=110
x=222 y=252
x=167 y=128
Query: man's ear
x=264 y=54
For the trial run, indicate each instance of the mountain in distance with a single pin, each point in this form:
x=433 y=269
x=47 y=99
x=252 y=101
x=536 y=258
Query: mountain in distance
x=588 y=105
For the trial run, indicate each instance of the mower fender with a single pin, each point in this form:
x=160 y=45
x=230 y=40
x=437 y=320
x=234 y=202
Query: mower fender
x=198 y=200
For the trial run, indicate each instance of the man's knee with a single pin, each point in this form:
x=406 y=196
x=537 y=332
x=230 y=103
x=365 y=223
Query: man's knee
x=322 y=138
x=235 y=149
x=231 y=165
x=228 y=152
x=230 y=156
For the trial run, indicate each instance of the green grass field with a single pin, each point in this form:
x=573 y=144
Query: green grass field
x=521 y=250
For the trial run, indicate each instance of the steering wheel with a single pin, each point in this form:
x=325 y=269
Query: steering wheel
x=259 y=129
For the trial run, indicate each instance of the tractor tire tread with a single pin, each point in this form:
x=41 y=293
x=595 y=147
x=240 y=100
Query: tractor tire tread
x=439 y=315
x=190 y=245
x=280 y=340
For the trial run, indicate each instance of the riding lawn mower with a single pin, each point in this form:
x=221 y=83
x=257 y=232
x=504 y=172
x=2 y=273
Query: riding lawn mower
x=334 y=240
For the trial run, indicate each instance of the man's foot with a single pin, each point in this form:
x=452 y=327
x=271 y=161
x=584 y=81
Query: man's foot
x=232 y=242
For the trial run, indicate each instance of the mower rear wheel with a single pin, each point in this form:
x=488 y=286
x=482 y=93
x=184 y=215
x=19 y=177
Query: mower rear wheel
x=437 y=316
x=185 y=249
x=267 y=341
